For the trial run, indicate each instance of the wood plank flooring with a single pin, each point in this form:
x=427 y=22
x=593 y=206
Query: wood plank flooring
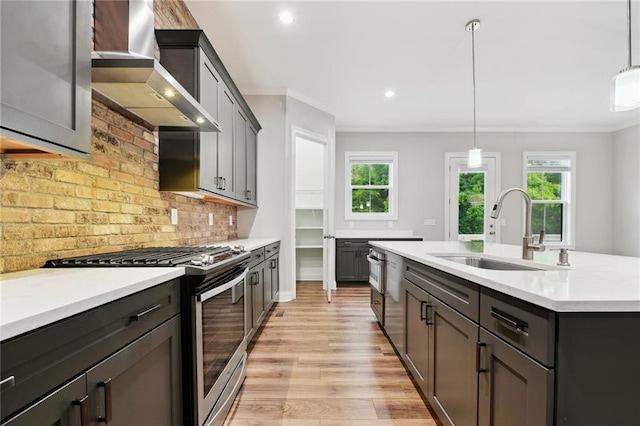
x=326 y=364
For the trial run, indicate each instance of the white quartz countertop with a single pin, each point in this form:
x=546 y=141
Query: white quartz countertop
x=375 y=233
x=34 y=298
x=592 y=283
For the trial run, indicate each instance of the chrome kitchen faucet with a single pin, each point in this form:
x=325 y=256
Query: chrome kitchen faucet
x=528 y=246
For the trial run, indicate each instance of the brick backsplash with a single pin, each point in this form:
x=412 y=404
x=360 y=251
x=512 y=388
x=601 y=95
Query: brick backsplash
x=52 y=209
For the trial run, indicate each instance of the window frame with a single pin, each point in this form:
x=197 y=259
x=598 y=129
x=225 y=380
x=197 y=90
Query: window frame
x=567 y=196
x=371 y=157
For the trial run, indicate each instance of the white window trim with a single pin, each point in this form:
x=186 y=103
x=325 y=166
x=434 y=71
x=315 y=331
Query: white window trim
x=390 y=156
x=570 y=215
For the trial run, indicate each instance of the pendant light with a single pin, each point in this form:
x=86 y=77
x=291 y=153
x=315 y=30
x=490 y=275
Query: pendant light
x=474 y=157
x=625 y=90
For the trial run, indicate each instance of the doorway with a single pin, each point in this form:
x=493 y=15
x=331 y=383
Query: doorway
x=313 y=201
x=469 y=198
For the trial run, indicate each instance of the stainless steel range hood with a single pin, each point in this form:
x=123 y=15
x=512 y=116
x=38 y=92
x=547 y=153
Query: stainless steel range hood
x=126 y=73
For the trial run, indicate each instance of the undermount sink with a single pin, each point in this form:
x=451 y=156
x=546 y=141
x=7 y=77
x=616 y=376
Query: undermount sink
x=484 y=263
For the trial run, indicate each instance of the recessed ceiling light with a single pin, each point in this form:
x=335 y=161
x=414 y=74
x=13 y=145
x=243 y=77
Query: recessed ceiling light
x=389 y=94
x=285 y=17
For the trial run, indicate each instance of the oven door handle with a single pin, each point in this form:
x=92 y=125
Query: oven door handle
x=217 y=290
x=372 y=260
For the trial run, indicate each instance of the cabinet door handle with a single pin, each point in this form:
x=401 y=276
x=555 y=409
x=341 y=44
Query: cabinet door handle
x=83 y=404
x=423 y=311
x=479 y=346
x=513 y=322
x=136 y=317
x=272 y=264
x=107 y=401
x=427 y=316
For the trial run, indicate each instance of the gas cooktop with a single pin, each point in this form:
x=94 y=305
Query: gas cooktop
x=197 y=257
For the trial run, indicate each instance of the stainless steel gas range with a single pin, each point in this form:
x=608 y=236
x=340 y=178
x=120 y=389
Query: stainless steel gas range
x=213 y=319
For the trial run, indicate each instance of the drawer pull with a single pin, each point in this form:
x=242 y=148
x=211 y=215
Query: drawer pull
x=516 y=324
x=107 y=401
x=137 y=316
x=83 y=403
x=479 y=346
x=7 y=383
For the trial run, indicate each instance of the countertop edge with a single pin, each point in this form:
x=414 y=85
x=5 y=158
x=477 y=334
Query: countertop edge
x=24 y=325
x=558 y=306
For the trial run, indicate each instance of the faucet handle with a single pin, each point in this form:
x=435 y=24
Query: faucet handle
x=541 y=238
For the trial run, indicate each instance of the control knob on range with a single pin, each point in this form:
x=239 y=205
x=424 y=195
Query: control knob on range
x=202 y=260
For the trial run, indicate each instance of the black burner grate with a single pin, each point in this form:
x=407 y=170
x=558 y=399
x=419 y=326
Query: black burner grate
x=151 y=256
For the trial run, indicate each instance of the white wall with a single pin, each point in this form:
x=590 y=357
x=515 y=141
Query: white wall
x=626 y=191
x=421 y=179
x=274 y=217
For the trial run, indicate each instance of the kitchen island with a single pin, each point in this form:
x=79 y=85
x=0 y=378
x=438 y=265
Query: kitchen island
x=530 y=347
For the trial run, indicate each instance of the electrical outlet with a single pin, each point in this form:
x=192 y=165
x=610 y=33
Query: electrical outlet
x=503 y=222
x=390 y=224
x=174 y=216
x=351 y=224
x=230 y=220
x=210 y=219
x=429 y=222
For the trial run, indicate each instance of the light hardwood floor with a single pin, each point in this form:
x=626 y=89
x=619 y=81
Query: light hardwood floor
x=326 y=364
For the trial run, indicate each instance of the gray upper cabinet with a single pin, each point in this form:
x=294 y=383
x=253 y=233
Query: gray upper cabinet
x=240 y=155
x=218 y=165
x=227 y=107
x=245 y=159
x=45 y=77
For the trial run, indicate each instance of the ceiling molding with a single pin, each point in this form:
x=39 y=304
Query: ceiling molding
x=348 y=129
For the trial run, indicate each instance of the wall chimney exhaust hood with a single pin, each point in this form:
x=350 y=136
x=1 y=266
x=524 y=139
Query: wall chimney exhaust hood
x=125 y=72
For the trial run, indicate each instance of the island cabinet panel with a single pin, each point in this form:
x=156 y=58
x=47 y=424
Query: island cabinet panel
x=416 y=333
x=598 y=369
x=513 y=388
x=453 y=383
x=36 y=366
x=45 y=76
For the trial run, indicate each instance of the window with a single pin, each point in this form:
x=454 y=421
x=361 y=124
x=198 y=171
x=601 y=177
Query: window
x=550 y=182
x=371 y=186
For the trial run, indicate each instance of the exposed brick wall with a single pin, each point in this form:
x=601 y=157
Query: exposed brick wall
x=52 y=209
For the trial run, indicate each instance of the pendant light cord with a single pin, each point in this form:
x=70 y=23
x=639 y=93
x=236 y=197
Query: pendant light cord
x=629 y=26
x=473 y=68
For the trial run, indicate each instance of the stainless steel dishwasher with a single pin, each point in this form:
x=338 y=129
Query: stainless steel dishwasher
x=393 y=315
x=376 y=259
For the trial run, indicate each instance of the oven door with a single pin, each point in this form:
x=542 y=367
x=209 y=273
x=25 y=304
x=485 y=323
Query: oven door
x=220 y=338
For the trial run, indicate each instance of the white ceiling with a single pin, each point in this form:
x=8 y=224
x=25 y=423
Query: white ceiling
x=540 y=65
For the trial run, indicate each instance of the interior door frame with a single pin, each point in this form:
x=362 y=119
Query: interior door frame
x=328 y=251
x=448 y=157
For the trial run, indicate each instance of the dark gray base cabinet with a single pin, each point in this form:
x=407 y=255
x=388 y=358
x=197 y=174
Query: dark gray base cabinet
x=120 y=362
x=416 y=333
x=514 y=389
x=488 y=359
x=352 y=266
x=45 y=103
x=262 y=286
x=453 y=385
